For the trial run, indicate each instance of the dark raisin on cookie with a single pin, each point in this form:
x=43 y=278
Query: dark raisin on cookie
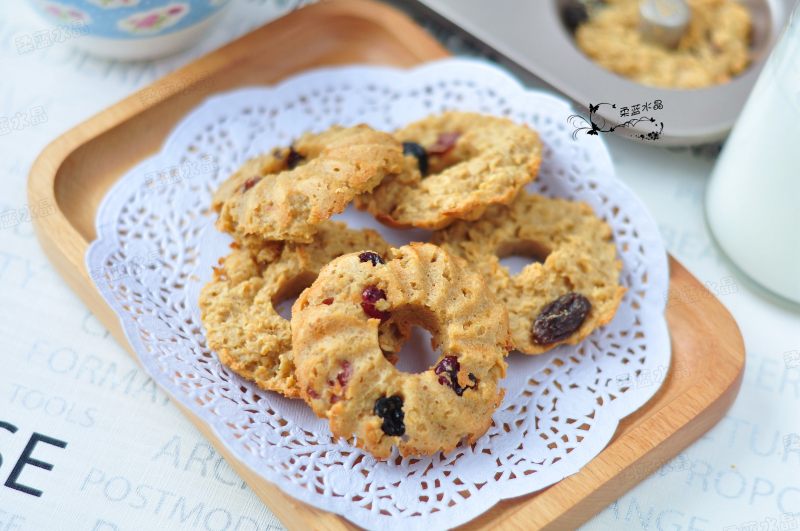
x=369 y=297
x=390 y=409
x=560 y=318
x=447 y=369
x=293 y=158
x=371 y=256
x=574 y=14
x=419 y=152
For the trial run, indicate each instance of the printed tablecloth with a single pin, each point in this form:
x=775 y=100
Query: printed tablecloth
x=88 y=442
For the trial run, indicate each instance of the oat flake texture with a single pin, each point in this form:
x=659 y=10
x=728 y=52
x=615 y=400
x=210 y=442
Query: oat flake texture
x=156 y=247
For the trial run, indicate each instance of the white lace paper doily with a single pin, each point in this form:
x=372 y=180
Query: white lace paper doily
x=156 y=245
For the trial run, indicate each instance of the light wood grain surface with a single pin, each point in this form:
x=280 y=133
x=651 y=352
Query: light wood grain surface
x=75 y=171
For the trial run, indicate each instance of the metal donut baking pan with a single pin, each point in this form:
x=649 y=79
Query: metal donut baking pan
x=533 y=35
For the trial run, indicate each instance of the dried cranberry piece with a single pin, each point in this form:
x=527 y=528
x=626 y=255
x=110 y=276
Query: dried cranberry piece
x=447 y=369
x=369 y=297
x=444 y=143
x=371 y=256
x=344 y=375
x=328 y=301
x=412 y=148
x=293 y=158
x=249 y=183
x=560 y=318
x=313 y=394
x=373 y=294
x=390 y=409
x=448 y=365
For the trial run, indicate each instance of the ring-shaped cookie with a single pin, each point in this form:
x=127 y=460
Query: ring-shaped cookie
x=714 y=48
x=571 y=290
x=456 y=165
x=344 y=376
x=239 y=305
x=286 y=194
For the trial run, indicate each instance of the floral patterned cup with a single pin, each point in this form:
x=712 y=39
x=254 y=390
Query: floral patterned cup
x=132 y=29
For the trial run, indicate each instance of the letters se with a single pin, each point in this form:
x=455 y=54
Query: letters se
x=27 y=459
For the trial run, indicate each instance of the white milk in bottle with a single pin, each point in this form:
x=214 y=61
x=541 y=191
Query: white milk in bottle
x=753 y=198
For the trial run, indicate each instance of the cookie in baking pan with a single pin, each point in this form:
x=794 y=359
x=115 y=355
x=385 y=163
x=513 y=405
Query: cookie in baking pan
x=713 y=49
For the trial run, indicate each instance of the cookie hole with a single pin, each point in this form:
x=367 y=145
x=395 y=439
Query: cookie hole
x=515 y=256
x=284 y=308
x=417 y=354
x=286 y=296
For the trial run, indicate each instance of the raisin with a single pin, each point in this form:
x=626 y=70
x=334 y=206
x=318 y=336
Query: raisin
x=293 y=158
x=369 y=297
x=390 y=409
x=249 y=183
x=370 y=256
x=574 y=14
x=560 y=318
x=447 y=369
x=412 y=148
x=444 y=144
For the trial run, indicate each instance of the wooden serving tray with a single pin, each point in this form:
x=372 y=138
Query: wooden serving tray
x=74 y=172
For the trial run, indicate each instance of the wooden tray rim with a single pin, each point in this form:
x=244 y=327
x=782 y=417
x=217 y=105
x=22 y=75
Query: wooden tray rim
x=70 y=244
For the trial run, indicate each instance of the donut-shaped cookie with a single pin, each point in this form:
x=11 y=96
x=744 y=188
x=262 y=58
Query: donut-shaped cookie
x=238 y=305
x=714 y=48
x=456 y=165
x=344 y=376
x=572 y=289
x=286 y=194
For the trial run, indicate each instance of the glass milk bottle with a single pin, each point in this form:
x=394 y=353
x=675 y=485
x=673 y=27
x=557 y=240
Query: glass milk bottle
x=753 y=197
